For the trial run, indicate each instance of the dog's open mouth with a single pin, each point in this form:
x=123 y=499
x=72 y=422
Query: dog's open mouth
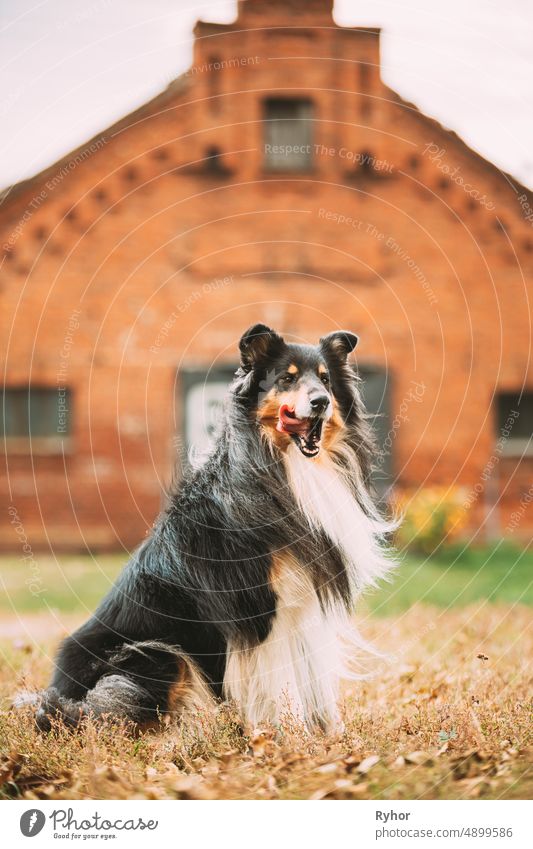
x=305 y=433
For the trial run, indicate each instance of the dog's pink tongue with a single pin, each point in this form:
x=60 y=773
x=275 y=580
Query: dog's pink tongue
x=288 y=423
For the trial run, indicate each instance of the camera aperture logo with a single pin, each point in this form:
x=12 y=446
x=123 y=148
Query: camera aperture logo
x=66 y=825
x=32 y=822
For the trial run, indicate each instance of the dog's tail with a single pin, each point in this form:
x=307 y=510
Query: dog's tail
x=146 y=681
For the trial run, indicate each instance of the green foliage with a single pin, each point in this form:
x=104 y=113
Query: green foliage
x=432 y=517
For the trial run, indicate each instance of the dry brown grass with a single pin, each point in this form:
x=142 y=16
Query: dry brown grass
x=460 y=674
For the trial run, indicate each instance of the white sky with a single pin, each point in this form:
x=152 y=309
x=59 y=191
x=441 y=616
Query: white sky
x=72 y=67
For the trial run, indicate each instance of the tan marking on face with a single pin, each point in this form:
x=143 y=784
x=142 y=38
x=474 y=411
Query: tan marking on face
x=333 y=429
x=268 y=415
x=322 y=370
x=292 y=369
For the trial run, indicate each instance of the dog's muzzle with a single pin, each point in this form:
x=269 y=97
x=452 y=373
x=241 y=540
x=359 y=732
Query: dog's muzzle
x=306 y=432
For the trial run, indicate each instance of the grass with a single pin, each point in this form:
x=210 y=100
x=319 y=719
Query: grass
x=459 y=576
x=448 y=714
x=456 y=576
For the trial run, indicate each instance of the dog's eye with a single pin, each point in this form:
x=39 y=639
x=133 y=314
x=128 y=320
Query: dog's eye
x=287 y=379
x=325 y=379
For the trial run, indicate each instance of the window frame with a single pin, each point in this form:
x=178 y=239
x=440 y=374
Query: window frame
x=37 y=444
x=291 y=166
x=511 y=446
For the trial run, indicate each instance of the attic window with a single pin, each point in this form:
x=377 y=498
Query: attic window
x=288 y=134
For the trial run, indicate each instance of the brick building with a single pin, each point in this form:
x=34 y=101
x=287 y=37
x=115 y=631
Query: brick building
x=279 y=180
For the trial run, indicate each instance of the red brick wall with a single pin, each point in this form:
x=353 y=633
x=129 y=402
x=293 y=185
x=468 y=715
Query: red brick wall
x=135 y=231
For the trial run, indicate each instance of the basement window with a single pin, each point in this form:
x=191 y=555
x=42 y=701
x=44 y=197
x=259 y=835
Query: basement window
x=288 y=134
x=514 y=421
x=36 y=418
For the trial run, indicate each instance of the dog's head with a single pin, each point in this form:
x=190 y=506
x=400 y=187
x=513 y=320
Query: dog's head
x=298 y=393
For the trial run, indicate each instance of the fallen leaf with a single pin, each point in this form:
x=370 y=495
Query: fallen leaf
x=327 y=769
x=320 y=794
x=406 y=672
x=359 y=789
x=352 y=761
x=468 y=764
x=473 y=786
x=189 y=787
x=229 y=756
x=211 y=769
x=419 y=758
x=261 y=745
x=342 y=783
x=171 y=767
x=272 y=786
x=367 y=764
x=9 y=768
x=20 y=645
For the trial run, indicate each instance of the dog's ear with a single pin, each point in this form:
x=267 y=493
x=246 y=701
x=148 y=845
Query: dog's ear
x=340 y=343
x=257 y=343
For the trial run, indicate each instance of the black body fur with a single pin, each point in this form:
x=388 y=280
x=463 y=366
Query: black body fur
x=202 y=577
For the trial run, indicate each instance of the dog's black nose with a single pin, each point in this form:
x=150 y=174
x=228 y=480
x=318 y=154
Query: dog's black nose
x=319 y=403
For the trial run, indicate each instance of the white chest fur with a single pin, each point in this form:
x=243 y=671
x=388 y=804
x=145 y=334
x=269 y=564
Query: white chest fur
x=298 y=668
x=328 y=504
x=296 y=671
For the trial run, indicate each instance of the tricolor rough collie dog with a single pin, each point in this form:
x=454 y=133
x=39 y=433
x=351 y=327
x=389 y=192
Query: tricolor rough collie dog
x=246 y=586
